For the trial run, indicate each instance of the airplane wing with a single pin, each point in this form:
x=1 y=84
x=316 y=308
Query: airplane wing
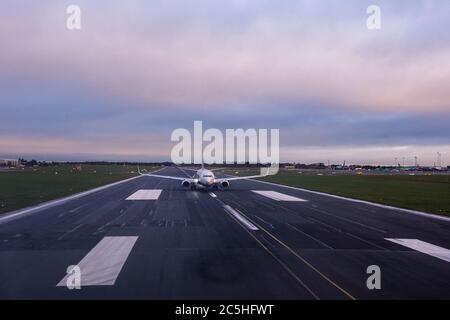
x=165 y=177
x=219 y=180
x=243 y=178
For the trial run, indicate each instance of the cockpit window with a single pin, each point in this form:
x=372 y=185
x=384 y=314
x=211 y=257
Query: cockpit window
x=207 y=176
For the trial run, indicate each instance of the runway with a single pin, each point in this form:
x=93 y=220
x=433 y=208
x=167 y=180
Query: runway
x=148 y=238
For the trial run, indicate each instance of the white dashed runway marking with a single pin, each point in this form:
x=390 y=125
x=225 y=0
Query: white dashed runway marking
x=241 y=218
x=152 y=194
x=277 y=196
x=424 y=247
x=102 y=265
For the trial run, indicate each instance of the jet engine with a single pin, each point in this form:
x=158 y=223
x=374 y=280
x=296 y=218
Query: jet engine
x=225 y=184
x=186 y=184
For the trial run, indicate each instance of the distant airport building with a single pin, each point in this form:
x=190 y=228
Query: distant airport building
x=9 y=162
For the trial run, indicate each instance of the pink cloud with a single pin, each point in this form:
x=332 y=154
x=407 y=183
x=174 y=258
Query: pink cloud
x=268 y=61
x=137 y=147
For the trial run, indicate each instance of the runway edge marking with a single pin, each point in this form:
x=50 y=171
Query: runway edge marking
x=6 y=217
x=415 y=212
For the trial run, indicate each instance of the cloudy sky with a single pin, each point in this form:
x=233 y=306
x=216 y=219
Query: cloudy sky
x=137 y=70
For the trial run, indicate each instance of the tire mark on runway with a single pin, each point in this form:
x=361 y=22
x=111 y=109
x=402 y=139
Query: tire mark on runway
x=367 y=241
x=149 y=219
x=294 y=253
x=70 y=231
x=71 y=211
x=348 y=234
x=296 y=214
x=307 y=263
x=283 y=265
x=289 y=210
x=344 y=219
x=264 y=221
x=309 y=236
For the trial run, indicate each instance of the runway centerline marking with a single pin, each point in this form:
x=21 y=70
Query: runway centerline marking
x=277 y=196
x=424 y=247
x=212 y=195
x=239 y=217
x=296 y=255
x=102 y=265
x=252 y=234
x=145 y=194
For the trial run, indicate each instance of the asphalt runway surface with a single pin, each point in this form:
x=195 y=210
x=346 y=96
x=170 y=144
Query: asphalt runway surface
x=165 y=242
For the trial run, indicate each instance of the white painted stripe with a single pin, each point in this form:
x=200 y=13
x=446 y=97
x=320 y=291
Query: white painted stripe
x=102 y=265
x=143 y=194
x=424 y=247
x=277 y=195
x=374 y=204
x=238 y=216
x=212 y=195
x=53 y=203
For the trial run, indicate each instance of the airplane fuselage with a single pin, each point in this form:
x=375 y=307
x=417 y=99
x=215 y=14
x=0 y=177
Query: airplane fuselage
x=205 y=178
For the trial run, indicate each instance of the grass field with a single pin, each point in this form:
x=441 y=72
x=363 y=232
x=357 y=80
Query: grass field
x=430 y=193
x=23 y=188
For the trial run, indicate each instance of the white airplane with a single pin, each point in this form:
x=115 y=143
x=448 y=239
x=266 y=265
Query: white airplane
x=204 y=179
